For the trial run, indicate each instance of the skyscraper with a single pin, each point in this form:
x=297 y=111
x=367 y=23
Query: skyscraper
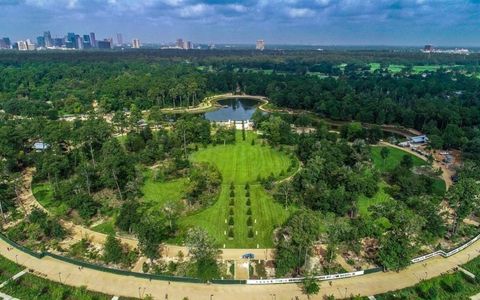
x=86 y=41
x=41 y=41
x=71 y=41
x=260 y=45
x=93 y=41
x=79 y=41
x=136 y=43
x=119 y=39
x=47 y=39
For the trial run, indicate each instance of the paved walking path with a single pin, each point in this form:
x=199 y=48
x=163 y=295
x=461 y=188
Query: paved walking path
x=129 y=286
x=7 y=297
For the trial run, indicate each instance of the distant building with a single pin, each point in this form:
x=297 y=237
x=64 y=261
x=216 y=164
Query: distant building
x=31 y=45
x=428 y=48
x=5 y=43
x=414 y=140
x=22 y=46
x=58 y=42
x=260 y=45
x=105 y=44
x=119 y=39
x=79 y=42
x=47 y=37
x=86 y=41
x=40 y=146
x=136 y=43
x=93 y=41
x=71 y=41
x=179 y=43
x=41 y=41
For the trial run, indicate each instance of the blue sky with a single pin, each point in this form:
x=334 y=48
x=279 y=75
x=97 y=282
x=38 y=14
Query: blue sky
x=321 y=22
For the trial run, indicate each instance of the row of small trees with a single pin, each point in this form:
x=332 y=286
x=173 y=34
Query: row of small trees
x=231 y=212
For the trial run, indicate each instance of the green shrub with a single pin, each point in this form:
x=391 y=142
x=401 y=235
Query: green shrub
x=230 y=233
x=247 y=194
x=232 y=202
x=232 y=194
x=251 y=234
x=249 y=211
x=230 y=212
x=230 y=221
x=249 y=221
x=249 y=202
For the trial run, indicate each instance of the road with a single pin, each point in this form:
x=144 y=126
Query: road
x=129 y=286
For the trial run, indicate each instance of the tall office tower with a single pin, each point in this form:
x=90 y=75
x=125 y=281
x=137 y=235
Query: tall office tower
x=71 y=41
x=86 y=41
x=260 y=45
x=119 y=39
x=179 y=43
x=48 y=39
x=189 y=45
x=22 y=46
x=40 y=41
x=6 y=43
x=136 y=43
x=93 y=41
x=79 y=41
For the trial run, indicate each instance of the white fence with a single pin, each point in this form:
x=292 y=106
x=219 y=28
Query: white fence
x=362 y=272
x=300 y=279
x=446 y=254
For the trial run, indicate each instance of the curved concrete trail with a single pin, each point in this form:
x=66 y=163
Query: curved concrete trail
x=130 y=286
x=77 y=232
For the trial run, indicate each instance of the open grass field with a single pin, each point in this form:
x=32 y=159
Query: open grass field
x=267 y=213
x=364 y=202
x=44 y=194
x=393 y=159
x=241 y=162
x=158 y=193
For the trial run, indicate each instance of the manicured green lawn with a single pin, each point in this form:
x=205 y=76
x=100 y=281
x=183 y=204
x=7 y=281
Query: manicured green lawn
x=157 y=193
x=267 y=213
x=44 y=194
x=364 y=202
x=107 y=227
x=8 y=269
x=241 y=162
x=393 y=159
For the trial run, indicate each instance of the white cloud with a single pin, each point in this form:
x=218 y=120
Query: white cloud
x=197 y=10
x=300 y=12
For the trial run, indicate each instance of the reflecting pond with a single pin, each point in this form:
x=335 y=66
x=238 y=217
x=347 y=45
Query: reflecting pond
x=236 y=109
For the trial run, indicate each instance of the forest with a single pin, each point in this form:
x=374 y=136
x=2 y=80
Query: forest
x=125 y=167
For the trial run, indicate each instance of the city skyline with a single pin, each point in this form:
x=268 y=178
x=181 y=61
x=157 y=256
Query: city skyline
x=318 y=22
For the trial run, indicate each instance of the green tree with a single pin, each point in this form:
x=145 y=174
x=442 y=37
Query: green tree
x=310 y=286
x=113 y=250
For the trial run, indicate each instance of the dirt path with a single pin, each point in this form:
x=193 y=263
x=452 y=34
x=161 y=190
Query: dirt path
x=130 y=286
x=78 y=232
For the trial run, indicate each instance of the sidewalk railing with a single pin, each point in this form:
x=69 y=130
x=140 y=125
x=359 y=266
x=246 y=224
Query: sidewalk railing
x=80 y=263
